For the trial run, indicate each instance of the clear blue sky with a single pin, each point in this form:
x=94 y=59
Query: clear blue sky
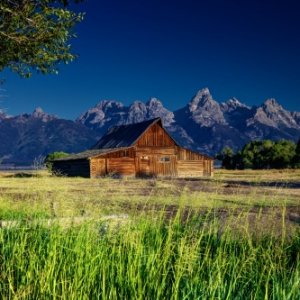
x=134 y=49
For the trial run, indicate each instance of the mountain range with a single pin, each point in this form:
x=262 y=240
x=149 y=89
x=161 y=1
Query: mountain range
x=203 y=124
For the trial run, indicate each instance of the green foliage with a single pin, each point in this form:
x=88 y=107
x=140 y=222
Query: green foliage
x=35 y=35
x=256 y=154
x=146 y=259
x=51 y=156
x=297 y=156
x=282 y=154
x=264 y=154
x=226 y=156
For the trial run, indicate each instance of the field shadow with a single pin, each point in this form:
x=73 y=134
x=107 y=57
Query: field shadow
x=22 y=175
x=277 y=184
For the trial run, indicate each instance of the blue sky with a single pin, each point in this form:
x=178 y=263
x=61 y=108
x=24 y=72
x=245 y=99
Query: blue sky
x=133 y=50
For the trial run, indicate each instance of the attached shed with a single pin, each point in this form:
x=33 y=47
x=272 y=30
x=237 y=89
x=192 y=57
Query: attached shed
x=141 y=149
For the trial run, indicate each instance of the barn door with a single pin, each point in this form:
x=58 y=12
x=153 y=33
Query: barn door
x=165 y=165
x=98 y=167
x=144 y=165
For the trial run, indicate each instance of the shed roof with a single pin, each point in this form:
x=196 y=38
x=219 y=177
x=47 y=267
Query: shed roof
x=87 y=154
x=124 y=135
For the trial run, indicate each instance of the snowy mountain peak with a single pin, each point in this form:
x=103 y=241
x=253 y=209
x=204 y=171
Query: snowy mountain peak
x=203 y=92
x=137 y=112
x=137 y=105
x=156 y=109
x=109 y=104
x=271 y=104
x=233 y=104
x=272 y=114
x=205 y=110
x=154 y=102
x=202 y=98
x=38 y=113
x=97 y=116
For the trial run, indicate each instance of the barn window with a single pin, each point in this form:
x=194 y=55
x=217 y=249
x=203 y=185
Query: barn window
x=144 y=158
x=164 y=159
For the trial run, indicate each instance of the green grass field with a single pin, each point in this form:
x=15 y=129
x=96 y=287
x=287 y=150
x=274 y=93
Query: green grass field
x=235 y=236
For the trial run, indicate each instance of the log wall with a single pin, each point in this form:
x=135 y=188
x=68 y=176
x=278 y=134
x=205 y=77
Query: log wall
x=190 y=168
x=121 y=166
x=97 y=167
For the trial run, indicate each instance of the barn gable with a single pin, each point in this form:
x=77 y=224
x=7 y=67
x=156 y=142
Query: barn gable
x=128 y=135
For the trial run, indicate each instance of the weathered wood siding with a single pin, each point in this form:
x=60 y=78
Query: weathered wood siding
x=189 y=168
x=156 y=165
x=185 y=154
x=192 y=164
x=98 y=167
x=156 y=153
x=208 y=167
x=121 y=166
x=155 y=136
x=121 y=153
x=72 y=168
x=120 y=162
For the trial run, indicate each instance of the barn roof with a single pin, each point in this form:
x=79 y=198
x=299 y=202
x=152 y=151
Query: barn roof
x=124 y=135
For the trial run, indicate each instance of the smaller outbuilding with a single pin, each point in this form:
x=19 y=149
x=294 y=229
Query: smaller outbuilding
x=141 y=149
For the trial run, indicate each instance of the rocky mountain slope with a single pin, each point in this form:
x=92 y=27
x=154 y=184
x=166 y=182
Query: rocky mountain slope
x=29 y=136
x=203 y=124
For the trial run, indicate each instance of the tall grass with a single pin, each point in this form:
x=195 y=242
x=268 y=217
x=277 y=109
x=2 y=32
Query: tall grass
x=185 y=257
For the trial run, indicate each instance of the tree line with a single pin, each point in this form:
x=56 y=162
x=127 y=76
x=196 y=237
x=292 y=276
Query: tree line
x=265 y=154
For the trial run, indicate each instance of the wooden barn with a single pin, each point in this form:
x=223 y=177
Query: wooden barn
x=141 y=149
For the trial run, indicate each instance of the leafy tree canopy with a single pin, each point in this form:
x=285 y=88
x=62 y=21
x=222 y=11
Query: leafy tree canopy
x=35 y=35
x=264 y=154
x=51 y=156
x=226 y=156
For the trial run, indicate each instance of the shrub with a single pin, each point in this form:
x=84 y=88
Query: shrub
x=52 y=156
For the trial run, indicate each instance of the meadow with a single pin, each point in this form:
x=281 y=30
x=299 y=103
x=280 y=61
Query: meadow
x=233 y=236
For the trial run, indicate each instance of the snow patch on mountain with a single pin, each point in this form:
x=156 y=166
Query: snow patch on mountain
x=38 y=113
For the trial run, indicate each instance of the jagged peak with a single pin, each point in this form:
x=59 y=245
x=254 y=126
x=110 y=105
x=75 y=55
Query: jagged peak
x=154 y=102
x=271 y=102
x=202 y=95
x=137 y=105
x=203 y=98
x=202 y=92
x=38 y=110
x=105 y=104
x=234 y=103
x=39 y=113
